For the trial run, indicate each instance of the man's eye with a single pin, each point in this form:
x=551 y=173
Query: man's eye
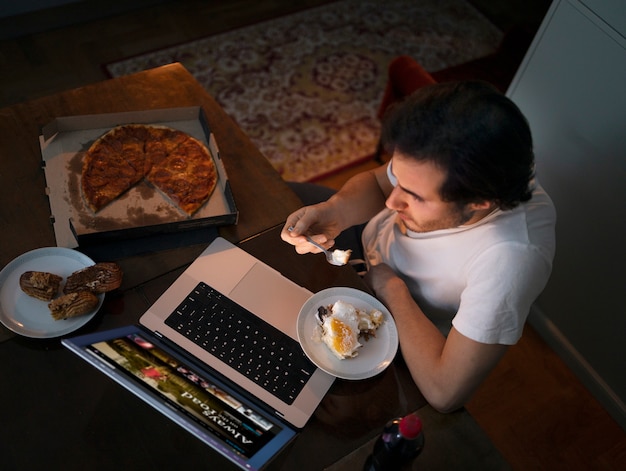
x=414 y=196
x=410 y=193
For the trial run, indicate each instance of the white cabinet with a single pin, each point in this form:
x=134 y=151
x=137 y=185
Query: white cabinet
x=572 y=88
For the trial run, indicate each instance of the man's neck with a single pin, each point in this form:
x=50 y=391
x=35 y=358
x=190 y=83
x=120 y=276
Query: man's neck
x=481 y=214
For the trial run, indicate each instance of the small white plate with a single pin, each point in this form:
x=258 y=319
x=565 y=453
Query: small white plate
x=29 y=316
x=376 y=353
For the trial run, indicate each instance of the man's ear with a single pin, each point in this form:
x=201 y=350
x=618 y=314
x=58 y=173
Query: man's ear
x=481 y=205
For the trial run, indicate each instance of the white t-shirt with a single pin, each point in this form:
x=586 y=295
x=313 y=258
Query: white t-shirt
x=482 y=278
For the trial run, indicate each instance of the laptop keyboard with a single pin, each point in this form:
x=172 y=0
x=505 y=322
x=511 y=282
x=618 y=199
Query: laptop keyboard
x=231 y=333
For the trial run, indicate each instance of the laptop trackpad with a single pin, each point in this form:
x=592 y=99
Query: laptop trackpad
x=271 y=296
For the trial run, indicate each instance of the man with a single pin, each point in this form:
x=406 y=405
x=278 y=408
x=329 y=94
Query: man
x=459 y=237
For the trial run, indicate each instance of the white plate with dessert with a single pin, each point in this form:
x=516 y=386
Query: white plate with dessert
x=347 y=333
x=29 y=316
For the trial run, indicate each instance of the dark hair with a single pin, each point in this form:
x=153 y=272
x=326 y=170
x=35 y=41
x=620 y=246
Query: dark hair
x=471 y=131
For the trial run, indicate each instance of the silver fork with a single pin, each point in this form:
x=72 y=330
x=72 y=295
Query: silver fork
x=329 y=255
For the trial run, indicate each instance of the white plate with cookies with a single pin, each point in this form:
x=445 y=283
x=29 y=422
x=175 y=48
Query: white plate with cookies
x=29 y=316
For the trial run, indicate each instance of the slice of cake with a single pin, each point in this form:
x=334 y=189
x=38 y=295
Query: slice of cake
x=341 y=324
x=341 y=257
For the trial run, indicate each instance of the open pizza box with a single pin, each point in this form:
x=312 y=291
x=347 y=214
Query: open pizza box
x=142 y=211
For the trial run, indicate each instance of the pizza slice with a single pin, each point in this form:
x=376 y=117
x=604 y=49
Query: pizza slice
x=187 y=176
x=160 y=142
x=133 y=139
x=107 y=174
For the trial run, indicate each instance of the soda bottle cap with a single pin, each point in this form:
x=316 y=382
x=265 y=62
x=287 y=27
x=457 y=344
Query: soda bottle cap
x=410 y=426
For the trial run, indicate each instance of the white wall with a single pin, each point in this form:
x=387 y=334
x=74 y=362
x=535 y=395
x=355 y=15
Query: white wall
x=572 y=88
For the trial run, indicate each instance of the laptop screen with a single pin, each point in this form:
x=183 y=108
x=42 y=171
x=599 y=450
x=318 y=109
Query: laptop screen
x=195 y=399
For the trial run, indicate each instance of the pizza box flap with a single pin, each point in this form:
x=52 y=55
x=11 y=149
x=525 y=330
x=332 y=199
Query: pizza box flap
x=141 y=211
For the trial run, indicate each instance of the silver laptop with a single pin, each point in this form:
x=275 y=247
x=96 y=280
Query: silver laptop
x=171 y=343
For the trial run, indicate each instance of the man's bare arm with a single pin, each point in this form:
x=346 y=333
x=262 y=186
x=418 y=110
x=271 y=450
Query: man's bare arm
x=446 y=370
x=361 y=198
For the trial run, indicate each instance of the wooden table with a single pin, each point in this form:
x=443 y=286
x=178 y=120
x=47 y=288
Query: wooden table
x=59 y=413
x=262 y=197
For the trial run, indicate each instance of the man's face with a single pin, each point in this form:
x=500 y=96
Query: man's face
x=416 y=197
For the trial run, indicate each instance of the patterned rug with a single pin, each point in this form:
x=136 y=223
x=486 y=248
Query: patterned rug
x=306 y=87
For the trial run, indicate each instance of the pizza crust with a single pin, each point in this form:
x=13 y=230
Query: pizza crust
x=174 y=162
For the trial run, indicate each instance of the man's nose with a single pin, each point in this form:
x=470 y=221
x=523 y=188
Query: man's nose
x=395 y=199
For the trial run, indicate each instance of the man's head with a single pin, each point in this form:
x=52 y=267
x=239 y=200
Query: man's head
x=473 y=133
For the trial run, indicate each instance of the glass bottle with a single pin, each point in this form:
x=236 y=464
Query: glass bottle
x=401 y=441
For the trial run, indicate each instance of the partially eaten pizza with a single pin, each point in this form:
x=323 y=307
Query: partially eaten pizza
x=174 y=162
